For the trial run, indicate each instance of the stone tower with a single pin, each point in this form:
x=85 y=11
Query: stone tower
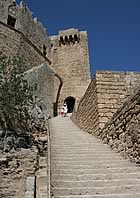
x=70 y=60
x=66 y=54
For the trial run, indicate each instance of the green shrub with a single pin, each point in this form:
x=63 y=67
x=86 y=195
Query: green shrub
x=15 y=95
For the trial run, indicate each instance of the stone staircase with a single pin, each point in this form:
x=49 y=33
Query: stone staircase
x=81 y=166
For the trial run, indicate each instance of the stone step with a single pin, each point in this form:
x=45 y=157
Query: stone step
x=80 y=151
x=77 y=140
x=96 y=171
x=95 y=183
x=130 y=195
x=81 y=142
x=92 y=166
x=90 y=158
x=72 y=146
x=75 y=147
x=78 y=136
x=92 y=162
x=95 y=176
x=86 y=158
x=87 y=155
x=75 y=143
x=97 y=190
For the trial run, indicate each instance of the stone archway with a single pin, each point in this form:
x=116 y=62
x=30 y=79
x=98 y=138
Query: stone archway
x=70 y=103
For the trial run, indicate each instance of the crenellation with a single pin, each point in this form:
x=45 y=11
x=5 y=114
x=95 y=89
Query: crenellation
x=68 y=32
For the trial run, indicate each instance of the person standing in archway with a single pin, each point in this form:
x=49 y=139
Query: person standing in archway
x=65 y=109
x=62 y=112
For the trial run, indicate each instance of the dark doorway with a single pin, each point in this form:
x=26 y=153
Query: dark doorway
x=70 y=103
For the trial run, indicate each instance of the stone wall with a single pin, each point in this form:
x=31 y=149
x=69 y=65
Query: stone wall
x=22 y=35
x=15 y=43
x=16 y=167
x=42 y=77
x=112 y=89
x=69 y=55
x=21 y=156
x=27 y=37
x=122 y=132
x=21 y=169
x=86 y=115
x=24 y=22
x=9 y=41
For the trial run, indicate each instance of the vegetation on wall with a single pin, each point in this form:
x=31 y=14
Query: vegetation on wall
x=15 y=96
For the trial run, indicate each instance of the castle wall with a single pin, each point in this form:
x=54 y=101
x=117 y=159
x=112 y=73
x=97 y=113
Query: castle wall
x=69 y=55
x=112 y=89
x=9 y=41
x=86 y=115
x=31 y=28
x=20 y=34
x=122 y=131
x=16 y=168
x=42 y=77
x=13 y=43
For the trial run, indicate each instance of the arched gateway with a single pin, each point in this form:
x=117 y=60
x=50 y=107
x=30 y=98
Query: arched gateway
x=70 y=103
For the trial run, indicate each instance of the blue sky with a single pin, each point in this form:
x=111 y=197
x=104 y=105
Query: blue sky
x=113 y=28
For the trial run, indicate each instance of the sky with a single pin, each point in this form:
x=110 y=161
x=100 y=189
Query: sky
x=113 y=28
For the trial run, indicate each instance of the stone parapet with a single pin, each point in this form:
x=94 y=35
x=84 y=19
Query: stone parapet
x=122 y=132
x=86 y=115
x=106 y=93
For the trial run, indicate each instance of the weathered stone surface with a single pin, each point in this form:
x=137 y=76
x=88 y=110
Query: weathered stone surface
x=69 y=55
x=19 y=157
x=15 y=166
x=27 y=37
x=105 y=94
x=29 y=191
x=84 y=167
x=87 y=116
x=124 y=136
x=43 y=78
x=66 y=53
